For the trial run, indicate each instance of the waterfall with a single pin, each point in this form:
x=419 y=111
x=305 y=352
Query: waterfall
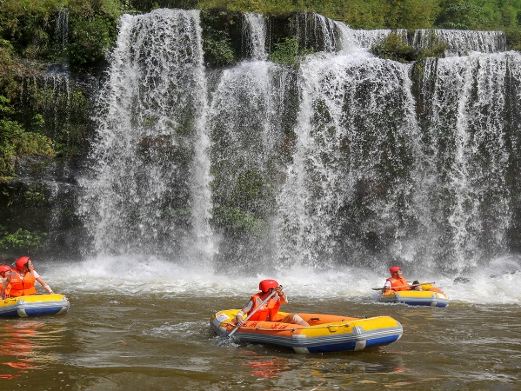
x=316 y=32
x=346 y=38
x=255 y=33
x=61 y=28
x=333 y=162
x=348 y=187
x=246 y=116
x=56 y=85
x=369 y=38
x=468 y=140
x=461 y=42
x=148 y=191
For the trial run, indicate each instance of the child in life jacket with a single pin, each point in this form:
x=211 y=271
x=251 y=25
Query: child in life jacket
x=20 y=281
x=269 y=310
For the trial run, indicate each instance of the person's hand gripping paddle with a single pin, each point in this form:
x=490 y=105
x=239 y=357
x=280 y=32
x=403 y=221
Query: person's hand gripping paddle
x=270 y=296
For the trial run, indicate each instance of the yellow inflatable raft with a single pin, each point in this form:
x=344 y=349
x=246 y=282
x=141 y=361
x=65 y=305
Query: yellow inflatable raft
x=33 y=305
x=428 y=296
x=326 y=333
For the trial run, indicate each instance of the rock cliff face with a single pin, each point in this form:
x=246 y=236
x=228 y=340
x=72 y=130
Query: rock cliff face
x=229 y=138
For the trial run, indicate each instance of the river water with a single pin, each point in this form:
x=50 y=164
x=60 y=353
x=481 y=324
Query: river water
x=138 y=324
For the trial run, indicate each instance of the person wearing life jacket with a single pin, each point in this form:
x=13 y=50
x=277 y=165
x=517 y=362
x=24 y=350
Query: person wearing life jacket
x=396 y=282
x=268 y=311
x=20 y=281
x=4 y=269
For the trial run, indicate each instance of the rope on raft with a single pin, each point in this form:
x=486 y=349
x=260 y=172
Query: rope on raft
x=292 y=329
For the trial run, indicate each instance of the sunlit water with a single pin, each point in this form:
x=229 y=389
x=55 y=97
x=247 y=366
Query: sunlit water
x=144 y=324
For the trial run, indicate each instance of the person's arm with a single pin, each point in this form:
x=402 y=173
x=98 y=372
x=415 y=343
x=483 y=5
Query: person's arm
x=5 y=285
x=42 y=282
x=3 y=288
x=387 y=286
x=282 y=296
x=242 y=313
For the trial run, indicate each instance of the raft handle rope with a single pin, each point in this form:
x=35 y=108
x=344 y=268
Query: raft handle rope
x=293 y=329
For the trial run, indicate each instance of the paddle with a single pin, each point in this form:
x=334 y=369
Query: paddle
x=411 y=286
x=253 y=312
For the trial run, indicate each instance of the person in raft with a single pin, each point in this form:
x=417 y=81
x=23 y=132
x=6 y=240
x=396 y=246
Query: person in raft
x=20 y=281
x=269 y=311
x=3 y=271
x=397 y=281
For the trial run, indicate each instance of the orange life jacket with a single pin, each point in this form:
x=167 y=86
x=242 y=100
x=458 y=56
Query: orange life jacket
x=399 y=284
x=268 y=310
x=21 y=286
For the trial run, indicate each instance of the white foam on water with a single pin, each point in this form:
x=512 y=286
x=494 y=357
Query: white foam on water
x=497 y=283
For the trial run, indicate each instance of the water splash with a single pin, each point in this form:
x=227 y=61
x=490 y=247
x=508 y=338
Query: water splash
x=497 y=283
x=149 y=187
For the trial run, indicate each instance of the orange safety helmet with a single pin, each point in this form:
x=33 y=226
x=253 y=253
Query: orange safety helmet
x=4 y=268
x=21 y=263
x=266 y=285
x=394 y=269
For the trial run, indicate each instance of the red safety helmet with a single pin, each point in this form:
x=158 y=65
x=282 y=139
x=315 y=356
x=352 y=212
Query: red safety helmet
x=394 y=269
x=266 y=285
x=4 y=268
x=21 y=263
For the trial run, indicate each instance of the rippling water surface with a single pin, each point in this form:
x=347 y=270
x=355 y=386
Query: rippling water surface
x=135 y=334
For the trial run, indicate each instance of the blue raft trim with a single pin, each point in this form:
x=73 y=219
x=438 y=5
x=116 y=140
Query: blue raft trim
x=34 y=309
x=332 y=343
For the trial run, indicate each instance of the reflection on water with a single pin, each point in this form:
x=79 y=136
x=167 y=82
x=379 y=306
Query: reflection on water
x=262 y=366
x=22 y=346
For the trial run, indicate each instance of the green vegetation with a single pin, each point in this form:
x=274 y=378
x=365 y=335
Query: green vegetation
x=30 y=26
x=238 y=221
x=288 y=51
x=409 y=14
x=221 y=38
x=394 y=47
x=16 y=142
x=21 y=239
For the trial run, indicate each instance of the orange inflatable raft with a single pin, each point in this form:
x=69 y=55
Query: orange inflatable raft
x=326 y=333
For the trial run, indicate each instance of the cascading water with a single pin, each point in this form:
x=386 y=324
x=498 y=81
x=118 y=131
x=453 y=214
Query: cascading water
x=468 y=137
x=245 y=117
x=61 y=29
x=369 y=38
x=254 y=32
x=149 y=189
x=461 y=42
x=249 y=125
x=350 y=181
x=317 y=32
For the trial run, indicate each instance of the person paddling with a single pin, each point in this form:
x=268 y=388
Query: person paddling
x=268 y=311
x=20 y=281
x=397 y=281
